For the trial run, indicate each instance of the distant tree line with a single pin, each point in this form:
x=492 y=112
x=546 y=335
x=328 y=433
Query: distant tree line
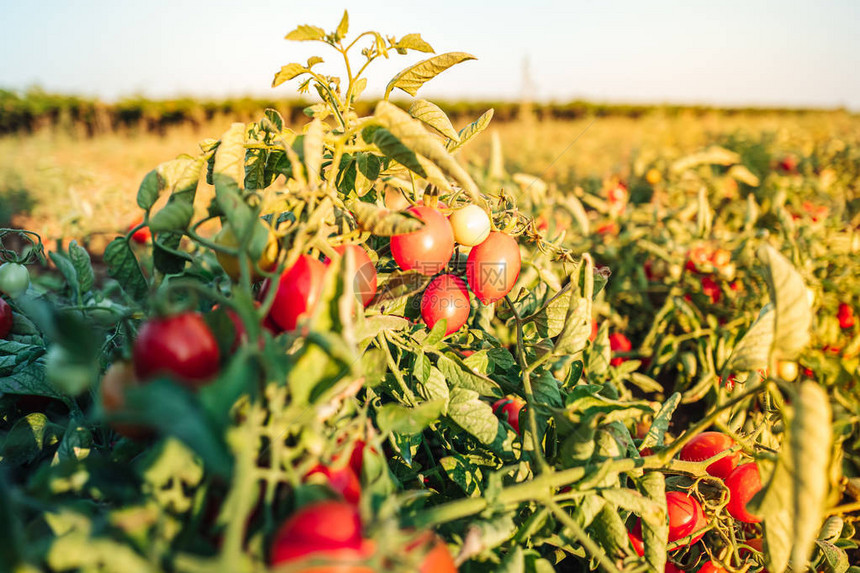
x=35 y=109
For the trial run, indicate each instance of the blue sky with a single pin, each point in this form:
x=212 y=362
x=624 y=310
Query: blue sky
x=730 y=52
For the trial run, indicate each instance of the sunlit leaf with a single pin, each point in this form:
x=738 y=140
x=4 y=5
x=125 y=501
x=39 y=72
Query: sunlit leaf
x=306 y=33
x=416 y=75
x=383 y=222
x=289 y=72
x=430 y=114
x=793 y=317
x=470 y=131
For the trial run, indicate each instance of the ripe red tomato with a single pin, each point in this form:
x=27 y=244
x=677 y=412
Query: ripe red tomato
x=299 y=289
x=712 y=567
x=323 y=530
x=5 y=318
x=635 y=536
x=446 y=297
x=428 y=249
x=510 y=407
x=493 y=267
x=619 y=343
x=342 y=481
x=743 y=483
x=365 y=272
x=471 y=225
x=356 y=458
x=685 y=515
x=672 y=568
x=845 y=316
x=711 y=289
x=708 y=444
x=179 y=346
x=142 y=235
x=116 y=380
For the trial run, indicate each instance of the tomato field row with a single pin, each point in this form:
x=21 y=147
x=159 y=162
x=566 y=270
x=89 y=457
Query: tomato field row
x=388 y=360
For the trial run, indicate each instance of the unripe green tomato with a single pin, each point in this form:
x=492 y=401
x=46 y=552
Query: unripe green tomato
x=67 y=374
x=471 y=225
x=14 y=279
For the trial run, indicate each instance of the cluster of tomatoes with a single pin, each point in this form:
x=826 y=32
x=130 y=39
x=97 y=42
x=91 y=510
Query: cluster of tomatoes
x=686 y=517
x=492 y=267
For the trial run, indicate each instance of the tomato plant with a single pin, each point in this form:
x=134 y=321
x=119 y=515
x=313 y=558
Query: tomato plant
x=427 y=250
x=493 y=267
x=288 y=386
x=180 y=346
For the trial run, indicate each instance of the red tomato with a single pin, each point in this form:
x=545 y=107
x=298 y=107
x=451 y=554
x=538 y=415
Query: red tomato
x=712 y=567
x=685 y=515
x=619 y=343
x=429 y=249
x=493 y=267
x=510 y=408
x=343 y=481
x=845 y=316
x=299 y=289
x=698 y=258
x=446 y=297
x=672 y=568
x=5 y=318
x=356 y=458
x=635 y=536
x=711 y=289
x=365 y=272
x=179 y=346
x=743 y=483
x=142 y=235
x=438 y=559
x=323 y=530
x=594 y=330
x=708 y=444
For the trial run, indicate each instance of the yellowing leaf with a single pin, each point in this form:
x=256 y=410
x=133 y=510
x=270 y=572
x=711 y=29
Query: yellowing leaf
x=415 y=76
x=793 y=317
x=753 y=351
x=430 y=114
x=811 y=436
x=287 y=73
x=343 y=27
x=306 y=33
x=413 y=136
x=414 y=42
x=711 y=156
x=744 y=175
x=313 y=148
x=471 y=130
x=382 y=222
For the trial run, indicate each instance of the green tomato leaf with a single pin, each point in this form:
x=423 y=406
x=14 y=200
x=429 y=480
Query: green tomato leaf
x=467 y=410
x=408 y=421
x=150 y=189
x=122 y=265
x=793 y=317
x=80 y=259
